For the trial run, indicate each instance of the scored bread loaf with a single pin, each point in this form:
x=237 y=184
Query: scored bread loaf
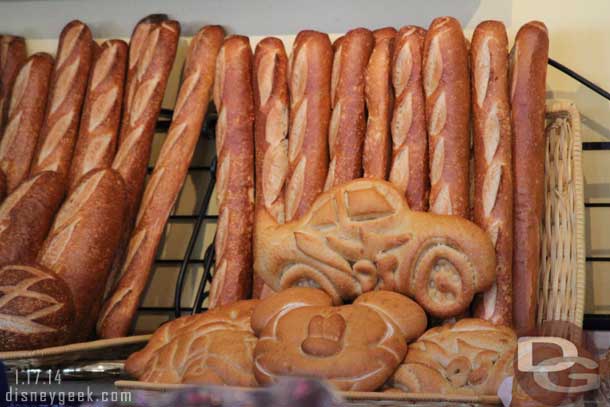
x=309 y=79
x=25 y=116
x=493 y=180
x=348 y=123
x=99 y=126
x=447 y=88
x=379 y=104
x=271 y=107
x=82 y=242
x=26 y=216
x=165 y=182
x=36 y=308
x=528 y=66
x=410 y=170
x=235 y=178
x=13 y=54
x=66 y=95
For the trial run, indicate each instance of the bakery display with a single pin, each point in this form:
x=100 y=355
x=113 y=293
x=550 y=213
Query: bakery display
x=362 y=236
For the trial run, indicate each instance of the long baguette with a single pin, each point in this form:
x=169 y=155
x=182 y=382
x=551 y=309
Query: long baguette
x=347 y=124
x=165 y=183
x=13 y=54
x=271 y=106
x=235 y=179
x=99 y=127
x=66 y=95
x=493 y=196
x=447 y=89
x=81 y=244
x=528 y=85
x=25 y=117
x=410 y=169
x=309 y=79
x=379 y=103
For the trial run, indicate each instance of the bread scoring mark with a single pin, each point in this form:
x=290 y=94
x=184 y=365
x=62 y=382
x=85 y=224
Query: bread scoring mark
x=489 y=301
x=275 y=170
x=56 y=245
x=299 y=74
x=294 y=189
x=68 y=43
x=438 y=116
x=77 y=200
x=175 y=134
x=297 y=131
x=148 y=53
x=54 y=137
x=142 y=98
x=491 y=186
x=127 y=147
x=8 y=140
x=276 y=125
x=482 y=71
x=433 y=70
x=63 y=85
x=222 y=178
x=21 y=84
x=169 y=26
x=264 y=76
x=493 y=231
x=151 y=190
x=442 y=203
x=101 y=107
x=103 y=65
x=402 y=120
x=399 y=174
x=403 y=67
x=186 y=90
x=12 y=200
x=491 y=135
x=95 y=152
x=221 y=131
x=330 y=179
x=333 y=128
x=137 y=42
x=221 y=232
x=137 y=241
x=219 y=78
x=438 y=161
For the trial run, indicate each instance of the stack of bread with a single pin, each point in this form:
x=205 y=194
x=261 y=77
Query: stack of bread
x=354 y=202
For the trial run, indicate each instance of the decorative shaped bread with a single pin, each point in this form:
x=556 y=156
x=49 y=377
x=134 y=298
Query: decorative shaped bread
x=472 y=356
x=211 y=348
x=356 y=347
x=361 y=236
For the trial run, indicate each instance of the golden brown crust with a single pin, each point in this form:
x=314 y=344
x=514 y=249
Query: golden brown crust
x=36 y=308
x=83 y=240
x=235 y=177
x=379 y=104
x=13 y=55
x=309 y=81
x=361 y=236
x=165 y=182
x=493 y=189
x=410 y=170
x=25 y=116
x=470 y=357
x=99 y=126
x=309 y=338
x=215 y=347
x=26 y=216
x=528 y=85
x=447 y=88
x=66 y=94
x=347 y=126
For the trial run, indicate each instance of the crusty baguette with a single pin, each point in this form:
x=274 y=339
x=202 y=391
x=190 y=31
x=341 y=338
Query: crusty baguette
x=271 y=110
x=379 y=103
x=13 y=54
x=99 y=126
x=165 y=183
x=26 y=216
x=66 y=95
x=81 y=244
x=309 y=80
x=347 y=126
x=493 y=194
x=528 y=85
x=410 y=168
x=25 y=117
x=447 y=89
x=235 y=178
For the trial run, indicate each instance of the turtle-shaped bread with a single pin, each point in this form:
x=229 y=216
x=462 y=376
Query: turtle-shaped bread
x=356 y=347
x=361 y=236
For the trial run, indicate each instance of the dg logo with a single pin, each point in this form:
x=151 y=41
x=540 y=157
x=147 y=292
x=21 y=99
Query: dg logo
x=554 y=366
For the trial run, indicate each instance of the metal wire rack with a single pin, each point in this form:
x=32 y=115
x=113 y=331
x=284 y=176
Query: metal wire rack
x=201 y=216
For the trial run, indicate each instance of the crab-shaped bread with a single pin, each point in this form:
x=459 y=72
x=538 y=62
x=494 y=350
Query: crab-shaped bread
x=355 y=347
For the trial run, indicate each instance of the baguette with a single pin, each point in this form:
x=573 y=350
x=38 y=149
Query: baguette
x=410 y=170
x=235 y=178
x=99 y=127
x=347 y=124
x=271 y=106
x=528 y=84
x=165 y=183
x=26 y=216
x=13 y=54
x=379 y=103
x=493 y=196
x=25 y=117
x=66 y=95
x=447 y=88
x=309 y=80
x=81 y=244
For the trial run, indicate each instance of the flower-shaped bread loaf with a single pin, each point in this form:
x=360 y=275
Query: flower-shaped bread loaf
x=471 y=357
x=215 y=347
x=361 y=236
x=356 y=347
